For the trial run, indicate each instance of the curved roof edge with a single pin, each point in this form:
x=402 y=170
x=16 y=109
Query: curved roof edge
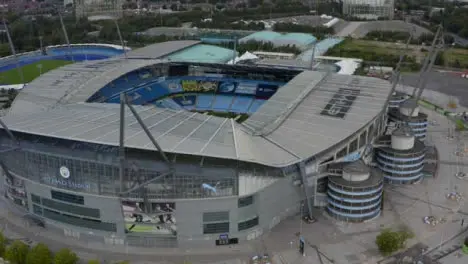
x=292 y=126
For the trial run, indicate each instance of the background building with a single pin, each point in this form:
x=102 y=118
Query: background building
x=369 y=9
x=98 y=8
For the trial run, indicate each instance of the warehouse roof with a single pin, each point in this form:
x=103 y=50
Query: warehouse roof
x=309 y=114
x=159 y=50
x=203 y=53
x=301 y=40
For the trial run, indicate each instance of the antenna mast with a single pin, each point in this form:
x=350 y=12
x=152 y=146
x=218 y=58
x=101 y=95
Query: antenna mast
x=397 y=72
x=120 y=38
x=437 y=44
x=13 y=51
x=426 y=61
x=65 y=34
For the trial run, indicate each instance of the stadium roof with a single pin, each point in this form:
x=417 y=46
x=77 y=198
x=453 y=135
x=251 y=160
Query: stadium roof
x=72 y=83
x=301 y=40
x=159 y=50
x=292 y=126
x=203 y=53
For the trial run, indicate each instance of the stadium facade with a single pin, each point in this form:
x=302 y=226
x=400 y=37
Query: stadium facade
x=214 y=180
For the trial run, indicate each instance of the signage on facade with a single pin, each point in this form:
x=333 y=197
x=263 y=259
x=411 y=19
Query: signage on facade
x=64 y=180
x=64 y=172
x=66 y=183
x=340 y=103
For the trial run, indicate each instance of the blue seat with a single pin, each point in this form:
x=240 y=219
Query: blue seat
x=256 y=105
x=204 y=102
x=222 y=103
x=241 y=104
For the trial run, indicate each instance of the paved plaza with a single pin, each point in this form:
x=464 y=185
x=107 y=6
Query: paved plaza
x=444 y=82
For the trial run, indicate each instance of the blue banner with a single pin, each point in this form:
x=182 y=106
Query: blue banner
x=226 y=87
x=206 y=86
x=246 y=88
x=266 y=90
x=174 y=86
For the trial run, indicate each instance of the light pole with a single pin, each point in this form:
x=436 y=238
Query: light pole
x=300 y=219
x=40 y=44
x=39 y=67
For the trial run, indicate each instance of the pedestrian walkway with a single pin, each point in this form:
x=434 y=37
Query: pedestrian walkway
x=349 y=29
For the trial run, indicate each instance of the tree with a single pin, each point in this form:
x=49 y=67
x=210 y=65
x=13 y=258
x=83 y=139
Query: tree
x=2 y=244
x=65 y=256
x=16 y=253
x=389 y=241
x=39 y=254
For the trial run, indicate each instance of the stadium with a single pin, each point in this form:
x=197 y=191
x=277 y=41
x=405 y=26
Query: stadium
x=196 y=155
x=51 y=57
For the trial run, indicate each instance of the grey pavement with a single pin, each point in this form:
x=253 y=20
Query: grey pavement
x=348 y=29
x=448 y=83
x=459 y=40
x=360 y=29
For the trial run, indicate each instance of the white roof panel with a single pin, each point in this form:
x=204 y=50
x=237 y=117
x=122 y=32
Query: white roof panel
x=300 y=120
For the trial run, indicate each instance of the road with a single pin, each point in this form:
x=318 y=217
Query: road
x=458 y=40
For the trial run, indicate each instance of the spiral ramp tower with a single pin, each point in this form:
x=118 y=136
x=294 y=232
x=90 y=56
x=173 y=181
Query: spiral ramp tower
x=396 y=99
x=409 y=113
x=356 y=195
x=400 y=156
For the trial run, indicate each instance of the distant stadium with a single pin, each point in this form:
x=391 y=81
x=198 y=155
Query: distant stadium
x=215 y=180
x=37 y=62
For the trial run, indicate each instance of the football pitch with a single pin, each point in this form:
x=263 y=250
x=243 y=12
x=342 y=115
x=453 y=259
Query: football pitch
x=30 y=71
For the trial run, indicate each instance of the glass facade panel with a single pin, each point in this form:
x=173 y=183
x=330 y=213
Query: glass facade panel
x=216 y=216
x=247 y=224
x=216 y=228
x=82 y=222
x=93 y=168
x=371 y=132
x=322 y=185
x=72 y=209
x=37 y=210
x=245 y=201
x=341 y=153
x=67 y=197
x=353 y=146
x=35 y=199
x=362 y=139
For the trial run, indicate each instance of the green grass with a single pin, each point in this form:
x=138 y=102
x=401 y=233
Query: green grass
x=30 y=71
x=456 y=58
